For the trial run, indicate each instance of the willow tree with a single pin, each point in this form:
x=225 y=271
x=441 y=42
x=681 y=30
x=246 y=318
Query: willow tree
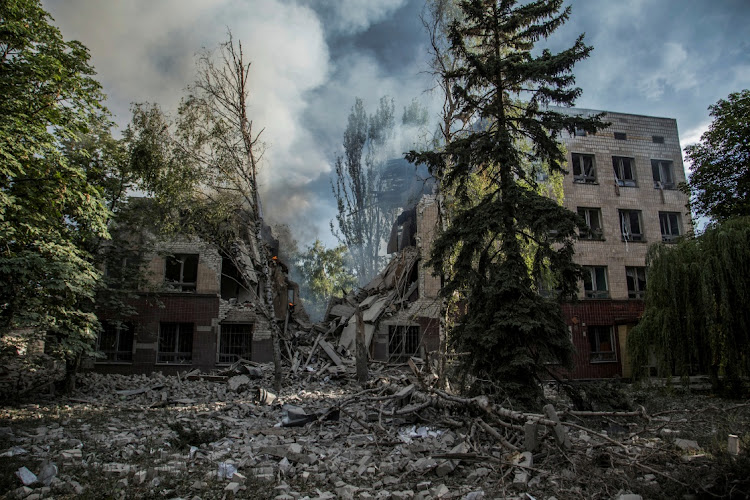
x=697 y=315
x=508 y=329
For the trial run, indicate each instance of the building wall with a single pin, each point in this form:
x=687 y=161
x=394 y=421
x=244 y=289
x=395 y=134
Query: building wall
x=619 y=312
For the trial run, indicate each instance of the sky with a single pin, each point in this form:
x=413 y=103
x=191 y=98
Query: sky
x=312 y=58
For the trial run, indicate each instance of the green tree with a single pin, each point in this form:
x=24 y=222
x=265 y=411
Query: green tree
x=50 y=206
x=362 y=222
x=508 y=328
x=697 y=315
x=324 y=275
x=719 y=185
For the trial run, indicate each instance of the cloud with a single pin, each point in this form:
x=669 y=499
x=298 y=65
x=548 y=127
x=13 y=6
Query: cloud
x=672 y=71
x=353 y=16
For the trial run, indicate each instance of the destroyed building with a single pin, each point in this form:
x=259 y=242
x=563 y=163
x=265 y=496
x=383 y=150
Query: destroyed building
x=197 y=310
x=622 y=181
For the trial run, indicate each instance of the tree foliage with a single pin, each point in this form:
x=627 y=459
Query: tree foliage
x=362 y=222
x=324 y=274
x=720 y=180
x=52 y=206
x=508 y=329
x=697 y=316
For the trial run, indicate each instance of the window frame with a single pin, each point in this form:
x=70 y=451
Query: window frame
x=625 y=216
x=593 y=234
x=402 y=353
x=578 y=162
x=670 y=236
x=593 y=280
x=637 y=290
x=596 y=355
x=181 y=284
x=226 y=335
x=116 y=355
x=618 y=166
x=175 y=356
x=661 y=167
x=620 y=136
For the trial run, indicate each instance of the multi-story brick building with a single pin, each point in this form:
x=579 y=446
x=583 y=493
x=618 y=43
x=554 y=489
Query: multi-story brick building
x=623 y=181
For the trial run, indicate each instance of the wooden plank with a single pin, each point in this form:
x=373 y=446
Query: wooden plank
x=328 y=348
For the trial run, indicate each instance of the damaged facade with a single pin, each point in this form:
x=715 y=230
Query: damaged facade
x=623 y=181
x=199 y=311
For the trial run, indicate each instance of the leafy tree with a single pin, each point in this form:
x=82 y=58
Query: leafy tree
x=51 y=206
x=324 y=275
x=201 y=169
x=363 y=223
x=508 y=328
x=720 y=180
x=697 y=313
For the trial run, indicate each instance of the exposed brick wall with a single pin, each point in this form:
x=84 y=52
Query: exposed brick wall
x=586 y=313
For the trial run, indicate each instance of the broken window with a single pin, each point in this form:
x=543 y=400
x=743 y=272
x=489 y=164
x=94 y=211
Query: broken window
x=670 y=226
x=584 y=169
x=624 y=168
x=593 y=218
x=657 y=139
x=621 y=136
x=175 y=343
x=602 y=344
x=595 y=282
x=663 y=172
x=403 y=341
x=181 y=272
x=580 y=132
x=115 y=341
x=630 y=225
x=636 y=278
x=236 y=342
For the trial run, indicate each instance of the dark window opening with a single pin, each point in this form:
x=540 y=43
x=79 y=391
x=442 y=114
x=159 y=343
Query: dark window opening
x=595 y=282
x=670 y=226
x=584 y=168
x=621 y=136
x=636 y=278
x=236 y=342
x=657 y=139
x=624 y=171
x=580 y=132
x=181 y=272
x=630 y=225
x=175 y=343
x=602 y=344
x=115 y=341
x=403 y=342
x=663 y=172
x=593 y=218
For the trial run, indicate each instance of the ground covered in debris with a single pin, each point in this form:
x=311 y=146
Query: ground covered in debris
x=230 y=436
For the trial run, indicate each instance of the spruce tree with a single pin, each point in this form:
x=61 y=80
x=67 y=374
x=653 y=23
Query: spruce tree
x=500 y=247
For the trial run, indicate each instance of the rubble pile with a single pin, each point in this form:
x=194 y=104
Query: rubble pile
x=225 y=435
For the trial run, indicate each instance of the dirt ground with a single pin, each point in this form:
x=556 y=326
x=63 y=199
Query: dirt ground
x=217 y=437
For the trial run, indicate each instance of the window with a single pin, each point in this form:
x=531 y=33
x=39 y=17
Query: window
x=624 y=171
x=636 y=278
x=595 y=282
x=403 y=341
x=236 y=342
x=670 y=226
x=181 y=272
x=593 y=218
x=602 y=344
x=584 y=170
x=621 y=136
x=175 y=343
x=630 y=225
x=116 y=341
x=663 y=174
x=657 y=139
x=580 y=132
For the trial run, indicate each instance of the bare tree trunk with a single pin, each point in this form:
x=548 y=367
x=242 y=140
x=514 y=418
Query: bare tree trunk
x=361 y=348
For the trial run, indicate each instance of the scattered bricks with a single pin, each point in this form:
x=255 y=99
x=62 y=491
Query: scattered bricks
x=448 y=466
x=26 y=476
x=687 y=444
x=531 y=436
x=346 y=491
x=140 y=477
x=521 y=476
x=239 y=383
x=233 y=487
x=424 y=485
x=402 y=495
x=733 y=444
x=440 y=491
x=239 y=478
